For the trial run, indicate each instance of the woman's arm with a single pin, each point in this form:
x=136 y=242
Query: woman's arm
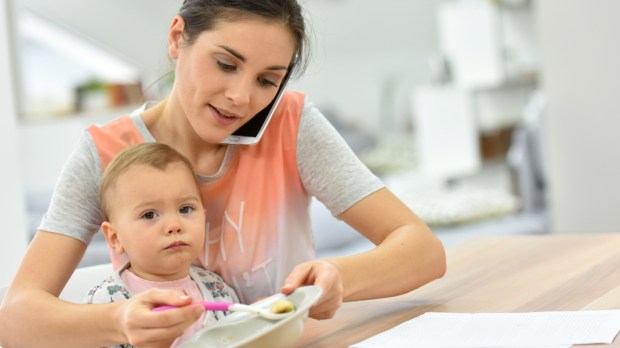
x=407 y=256
x=33 y=316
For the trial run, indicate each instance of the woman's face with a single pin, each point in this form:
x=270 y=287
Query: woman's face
x=229 y=73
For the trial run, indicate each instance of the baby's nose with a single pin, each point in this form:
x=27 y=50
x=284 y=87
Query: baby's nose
x=174 y=227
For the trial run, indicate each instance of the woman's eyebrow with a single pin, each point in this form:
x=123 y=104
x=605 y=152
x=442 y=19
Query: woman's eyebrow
x=242 y=58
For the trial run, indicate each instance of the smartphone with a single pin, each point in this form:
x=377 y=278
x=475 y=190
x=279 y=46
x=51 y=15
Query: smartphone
x=251 y=132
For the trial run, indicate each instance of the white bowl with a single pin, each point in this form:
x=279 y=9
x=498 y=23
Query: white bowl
x=249 y=330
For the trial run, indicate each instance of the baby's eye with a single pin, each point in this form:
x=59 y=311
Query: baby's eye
x=226 y=67
x=149 y=215
x=186 y=209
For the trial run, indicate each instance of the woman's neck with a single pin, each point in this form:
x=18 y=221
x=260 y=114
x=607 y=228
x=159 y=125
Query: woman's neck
x=169 y=125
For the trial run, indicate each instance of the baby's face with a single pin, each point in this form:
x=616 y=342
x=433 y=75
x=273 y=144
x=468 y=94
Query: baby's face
x=159 y=220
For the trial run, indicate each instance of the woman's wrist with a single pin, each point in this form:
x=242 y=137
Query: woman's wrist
x=115 y=313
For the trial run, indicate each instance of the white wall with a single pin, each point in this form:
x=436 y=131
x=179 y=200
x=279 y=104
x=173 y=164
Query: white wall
x=581 y=79
x=12 y=208
x=361 y=52
x=134 y=30
x=365 y=50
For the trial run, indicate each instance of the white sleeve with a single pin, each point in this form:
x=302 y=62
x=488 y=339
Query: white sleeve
x=329 y=169
x=74 y=208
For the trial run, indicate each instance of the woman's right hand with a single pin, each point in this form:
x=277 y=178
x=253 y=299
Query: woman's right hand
x=40 y=279
x=144 y=328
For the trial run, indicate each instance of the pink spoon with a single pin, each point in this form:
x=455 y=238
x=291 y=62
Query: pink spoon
x=232 y=307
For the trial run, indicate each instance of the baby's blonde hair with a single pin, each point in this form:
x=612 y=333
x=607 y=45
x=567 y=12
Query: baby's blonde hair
x=156 y=155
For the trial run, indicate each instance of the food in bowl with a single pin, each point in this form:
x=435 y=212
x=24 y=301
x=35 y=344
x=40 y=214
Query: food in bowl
x=248 y=330
x=282 y=306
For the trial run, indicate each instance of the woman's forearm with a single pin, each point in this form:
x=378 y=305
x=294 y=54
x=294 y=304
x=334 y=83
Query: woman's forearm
x=34 y=318
x=408 y=258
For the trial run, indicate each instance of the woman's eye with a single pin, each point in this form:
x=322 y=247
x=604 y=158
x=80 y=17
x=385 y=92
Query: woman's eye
x=267 y=83
x=149 y=215
x=186 y=209
x=226 y=67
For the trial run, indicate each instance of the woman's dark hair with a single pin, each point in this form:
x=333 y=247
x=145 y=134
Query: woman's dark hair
x=204 y=15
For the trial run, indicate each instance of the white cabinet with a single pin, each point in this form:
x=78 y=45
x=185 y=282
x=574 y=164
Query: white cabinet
x=488 y=44
x=490 y=62
x=447 y=140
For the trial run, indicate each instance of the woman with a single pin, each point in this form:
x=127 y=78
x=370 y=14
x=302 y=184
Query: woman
x=230 y=57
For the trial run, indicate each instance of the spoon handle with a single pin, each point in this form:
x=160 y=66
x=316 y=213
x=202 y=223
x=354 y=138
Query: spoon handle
x=216 y=306
x=210 y=306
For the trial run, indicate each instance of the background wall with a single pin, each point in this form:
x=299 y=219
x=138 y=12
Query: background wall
x=12 y=213
x=368 y=57
x=133 y=30
x=366 y=60
x=362 y=52
x=581 y=80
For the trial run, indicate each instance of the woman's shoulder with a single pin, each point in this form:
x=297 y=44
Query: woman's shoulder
x=114 y=136
x=124 y=123
x=293 y=96
x=292 y=103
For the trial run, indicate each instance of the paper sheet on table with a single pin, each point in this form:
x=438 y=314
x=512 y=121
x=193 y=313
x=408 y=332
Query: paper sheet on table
x=535 y=329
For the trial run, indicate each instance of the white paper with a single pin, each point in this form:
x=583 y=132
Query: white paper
x=535 y=329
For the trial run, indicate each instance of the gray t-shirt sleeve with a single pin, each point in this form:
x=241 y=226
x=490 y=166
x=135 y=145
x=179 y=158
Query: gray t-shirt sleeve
x=329 y=169
x=74 y=208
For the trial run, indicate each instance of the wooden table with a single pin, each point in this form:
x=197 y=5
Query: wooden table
x=499 y=274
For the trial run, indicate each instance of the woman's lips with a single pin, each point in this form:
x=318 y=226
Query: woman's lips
x=223 y=117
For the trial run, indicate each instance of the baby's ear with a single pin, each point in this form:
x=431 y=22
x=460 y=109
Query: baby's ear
x=109 y=232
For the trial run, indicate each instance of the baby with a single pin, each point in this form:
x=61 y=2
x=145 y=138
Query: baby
x=153 y=214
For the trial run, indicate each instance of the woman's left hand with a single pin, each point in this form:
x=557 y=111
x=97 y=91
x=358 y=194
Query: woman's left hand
x=324 y=275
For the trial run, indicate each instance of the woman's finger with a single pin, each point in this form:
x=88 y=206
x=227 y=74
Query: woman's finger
x=144 y=327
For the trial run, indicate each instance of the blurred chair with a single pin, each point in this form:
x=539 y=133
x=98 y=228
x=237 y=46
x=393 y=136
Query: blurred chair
x=83 y=279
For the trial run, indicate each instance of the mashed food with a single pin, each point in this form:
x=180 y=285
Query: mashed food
x=282 y=306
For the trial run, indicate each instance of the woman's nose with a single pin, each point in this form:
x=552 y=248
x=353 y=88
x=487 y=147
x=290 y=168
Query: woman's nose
x=239 y=91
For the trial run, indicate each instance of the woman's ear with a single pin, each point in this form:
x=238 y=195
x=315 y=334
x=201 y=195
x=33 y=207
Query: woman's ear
x=109 y=232
x=175 y=36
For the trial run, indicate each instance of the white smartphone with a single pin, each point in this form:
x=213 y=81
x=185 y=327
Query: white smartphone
x=251 y=132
